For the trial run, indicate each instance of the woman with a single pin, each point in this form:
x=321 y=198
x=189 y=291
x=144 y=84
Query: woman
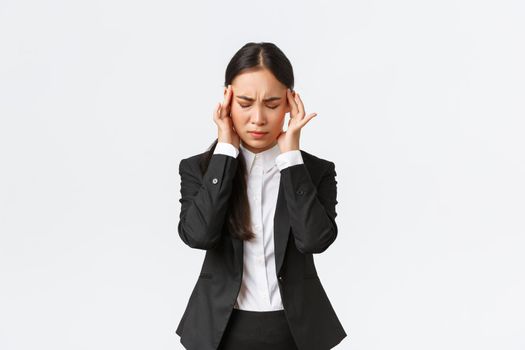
x=261 y=208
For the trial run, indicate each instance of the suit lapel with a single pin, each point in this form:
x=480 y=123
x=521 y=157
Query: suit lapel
x=281 y=228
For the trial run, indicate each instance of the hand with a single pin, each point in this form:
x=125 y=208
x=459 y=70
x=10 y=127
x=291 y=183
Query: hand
x=289 y=140
x=222 y=117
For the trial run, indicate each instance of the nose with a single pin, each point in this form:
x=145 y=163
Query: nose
x=258 y=116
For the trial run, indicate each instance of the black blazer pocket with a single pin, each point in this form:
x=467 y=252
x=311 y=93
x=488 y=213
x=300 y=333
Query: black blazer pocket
x=206 y=275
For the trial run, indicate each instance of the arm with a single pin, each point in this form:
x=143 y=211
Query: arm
x=311 y=209
x=204 y=202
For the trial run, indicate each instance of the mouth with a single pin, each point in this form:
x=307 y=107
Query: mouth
x=257 y=133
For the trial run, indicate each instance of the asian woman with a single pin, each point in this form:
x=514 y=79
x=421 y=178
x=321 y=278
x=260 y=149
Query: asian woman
x=261 y=207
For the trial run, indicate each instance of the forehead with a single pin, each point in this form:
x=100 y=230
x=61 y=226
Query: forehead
x=257 y=83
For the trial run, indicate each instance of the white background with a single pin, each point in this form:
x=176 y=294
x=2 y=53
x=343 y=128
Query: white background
x=420 y=105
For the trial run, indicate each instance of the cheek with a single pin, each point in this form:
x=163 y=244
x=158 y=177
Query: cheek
x=238 y=118
x=235 y=119
x=278 y=123
x=281 y=115
x=282 y=112
x=237 y=111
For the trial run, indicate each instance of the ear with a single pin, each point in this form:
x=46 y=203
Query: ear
x=287 y=109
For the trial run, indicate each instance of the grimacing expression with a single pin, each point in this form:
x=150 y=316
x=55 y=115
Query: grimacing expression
x=258 y=103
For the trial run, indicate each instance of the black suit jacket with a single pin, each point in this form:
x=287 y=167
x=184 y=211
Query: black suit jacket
x=304 y=224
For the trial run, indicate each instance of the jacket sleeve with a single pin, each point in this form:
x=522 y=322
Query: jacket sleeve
x=311 y=208
x=204 y=200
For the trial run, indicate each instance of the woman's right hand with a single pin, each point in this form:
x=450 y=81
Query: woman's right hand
x=222 y=117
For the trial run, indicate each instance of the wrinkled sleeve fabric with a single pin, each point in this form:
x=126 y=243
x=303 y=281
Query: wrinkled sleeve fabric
x=311 y=208
x=204 y=200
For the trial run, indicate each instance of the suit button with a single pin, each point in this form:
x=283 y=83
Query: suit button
x=214 y=180
x=281 y=278
x=300 y=192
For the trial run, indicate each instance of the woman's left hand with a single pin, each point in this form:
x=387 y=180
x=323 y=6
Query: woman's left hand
x=289 y=140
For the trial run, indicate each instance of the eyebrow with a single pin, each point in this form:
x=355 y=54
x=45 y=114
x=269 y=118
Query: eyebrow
x=252 y=99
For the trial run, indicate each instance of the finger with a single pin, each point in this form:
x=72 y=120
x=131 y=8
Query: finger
x=307 y=119
x=215 y=110
x=292 y=103
x=300 y=105
x=217 y=113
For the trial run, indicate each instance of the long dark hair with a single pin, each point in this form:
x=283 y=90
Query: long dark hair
x=263 y=55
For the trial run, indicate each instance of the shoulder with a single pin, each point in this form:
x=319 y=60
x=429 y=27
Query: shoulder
x=194 y=159
x=192 y=164
x=198 y=163
x=313 y=161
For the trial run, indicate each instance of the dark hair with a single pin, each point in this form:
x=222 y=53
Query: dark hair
x=263 y=55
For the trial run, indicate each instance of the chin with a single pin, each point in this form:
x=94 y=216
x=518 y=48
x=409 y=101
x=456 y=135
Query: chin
x=258 y=143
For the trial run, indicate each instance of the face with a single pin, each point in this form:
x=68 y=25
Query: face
x=258 y=104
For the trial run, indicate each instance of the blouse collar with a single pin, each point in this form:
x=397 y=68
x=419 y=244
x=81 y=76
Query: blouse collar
x=267 y=158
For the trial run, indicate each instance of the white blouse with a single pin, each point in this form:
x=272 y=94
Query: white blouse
x=259 y=289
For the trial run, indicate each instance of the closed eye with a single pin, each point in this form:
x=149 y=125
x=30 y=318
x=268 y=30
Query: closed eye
x=272 y=107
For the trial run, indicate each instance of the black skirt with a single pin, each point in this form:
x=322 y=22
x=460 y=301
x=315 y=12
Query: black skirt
x=257 y=330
